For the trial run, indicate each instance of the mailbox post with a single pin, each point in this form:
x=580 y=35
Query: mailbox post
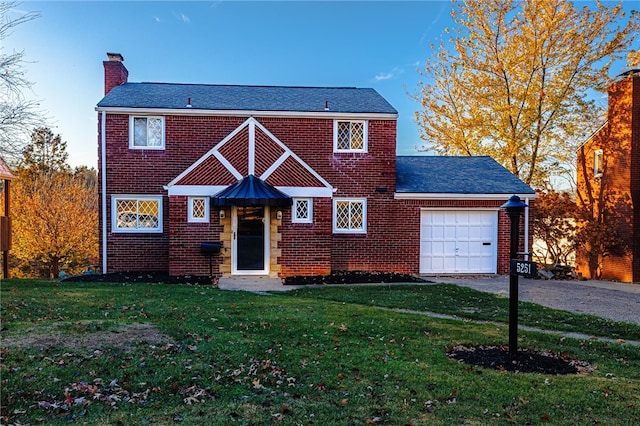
x=514 y=209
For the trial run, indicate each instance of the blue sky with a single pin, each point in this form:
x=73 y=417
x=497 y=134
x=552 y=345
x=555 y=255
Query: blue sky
x=298 y=43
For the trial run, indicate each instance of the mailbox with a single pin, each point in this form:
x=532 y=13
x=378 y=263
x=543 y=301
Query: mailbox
x=210 y=247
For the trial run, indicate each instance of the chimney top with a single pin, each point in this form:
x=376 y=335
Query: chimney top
x=115 y=57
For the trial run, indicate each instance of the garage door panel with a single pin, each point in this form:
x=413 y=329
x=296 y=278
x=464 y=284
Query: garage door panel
x=449 y=232
x=458 y=241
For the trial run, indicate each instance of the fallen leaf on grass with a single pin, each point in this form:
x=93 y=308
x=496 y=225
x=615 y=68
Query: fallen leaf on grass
x=452 y=398
x=429 y=406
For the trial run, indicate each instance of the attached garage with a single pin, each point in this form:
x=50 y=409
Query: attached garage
x=456 y=200
x=458 y=241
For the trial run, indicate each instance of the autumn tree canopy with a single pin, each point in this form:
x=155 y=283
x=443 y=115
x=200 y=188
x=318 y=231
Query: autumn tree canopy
x=514 y=85
x=54 y=210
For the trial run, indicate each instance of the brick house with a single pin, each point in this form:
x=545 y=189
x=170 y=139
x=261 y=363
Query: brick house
x=608 y=185
x=286 y=181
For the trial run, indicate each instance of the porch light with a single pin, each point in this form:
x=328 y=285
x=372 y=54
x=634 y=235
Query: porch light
x=221 y=214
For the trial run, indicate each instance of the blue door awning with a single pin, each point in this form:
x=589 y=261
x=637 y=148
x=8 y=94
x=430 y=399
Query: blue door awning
x=251 y=191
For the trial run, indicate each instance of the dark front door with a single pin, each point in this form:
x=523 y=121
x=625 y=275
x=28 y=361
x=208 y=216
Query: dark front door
x=250 y=239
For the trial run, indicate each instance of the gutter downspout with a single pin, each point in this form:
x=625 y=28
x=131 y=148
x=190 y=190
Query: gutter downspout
x=526 y=229
x=103 y=155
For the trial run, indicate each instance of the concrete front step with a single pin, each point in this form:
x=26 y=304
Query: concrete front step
x=254 y=283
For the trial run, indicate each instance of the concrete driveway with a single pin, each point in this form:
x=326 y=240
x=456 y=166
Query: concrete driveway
x=616 y=301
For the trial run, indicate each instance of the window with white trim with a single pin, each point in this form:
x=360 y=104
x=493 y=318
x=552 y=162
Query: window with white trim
x=136 y=214
x=350 y=215
x=198 y=209
x=598 y=167
x=349 y=136
x=302 y=210
x=146 y=132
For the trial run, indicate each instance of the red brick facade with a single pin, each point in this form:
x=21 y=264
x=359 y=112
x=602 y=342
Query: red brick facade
x=610 y=197
x=392 y=238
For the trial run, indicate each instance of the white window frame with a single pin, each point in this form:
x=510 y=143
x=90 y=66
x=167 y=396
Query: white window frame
x=132 y=132
x=193 y=219
x=363 y=229
x=294 y=211
x=365 y=136
x=114 y=213
x=598 y=163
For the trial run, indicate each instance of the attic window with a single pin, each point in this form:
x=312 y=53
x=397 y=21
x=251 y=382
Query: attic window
x=598 y=166
x=146 y=132
x=349 y=136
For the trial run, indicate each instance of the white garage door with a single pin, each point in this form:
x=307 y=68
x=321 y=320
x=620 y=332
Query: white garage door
x=458 y=241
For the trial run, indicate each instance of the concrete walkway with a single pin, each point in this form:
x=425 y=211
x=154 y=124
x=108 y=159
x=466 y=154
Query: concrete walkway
x=615 y=301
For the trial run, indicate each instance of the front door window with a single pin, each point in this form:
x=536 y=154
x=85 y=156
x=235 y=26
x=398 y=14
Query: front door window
x=250 y=240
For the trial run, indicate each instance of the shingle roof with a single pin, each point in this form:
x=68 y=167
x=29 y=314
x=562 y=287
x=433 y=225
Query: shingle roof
x=247 y=98
x=456 y=175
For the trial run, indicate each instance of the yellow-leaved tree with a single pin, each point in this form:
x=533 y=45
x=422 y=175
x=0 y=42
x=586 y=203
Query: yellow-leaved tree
x=515 y=82
x=54 y=210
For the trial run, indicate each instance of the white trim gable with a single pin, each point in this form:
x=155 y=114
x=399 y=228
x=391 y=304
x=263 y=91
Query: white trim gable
x=321 y=191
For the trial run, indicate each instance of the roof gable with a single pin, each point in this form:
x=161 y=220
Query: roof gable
x=456 y=175
x=192 y=97
x=250 y=150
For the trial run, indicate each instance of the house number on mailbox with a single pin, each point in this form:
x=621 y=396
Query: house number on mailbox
x=524 y=268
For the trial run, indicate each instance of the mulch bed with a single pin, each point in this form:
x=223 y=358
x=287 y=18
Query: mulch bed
x=140 y=277
x=526 y=361
x=338 y=277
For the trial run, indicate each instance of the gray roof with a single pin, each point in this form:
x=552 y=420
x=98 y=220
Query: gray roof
x=456 y=175
x=247 y=98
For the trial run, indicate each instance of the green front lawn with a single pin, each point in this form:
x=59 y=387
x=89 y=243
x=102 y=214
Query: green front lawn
x=163 y=354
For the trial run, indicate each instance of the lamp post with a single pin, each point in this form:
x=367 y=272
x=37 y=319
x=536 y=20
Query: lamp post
x=514 y=209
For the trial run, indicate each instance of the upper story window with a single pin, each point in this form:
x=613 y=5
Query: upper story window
x=198 y=209
x=598 y=166
x=349 y=136
x=302 y=210
x=146 y=132
x=350 y=216
x=137 y=214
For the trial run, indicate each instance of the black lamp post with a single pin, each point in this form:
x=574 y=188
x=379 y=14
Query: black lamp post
x=514 y=209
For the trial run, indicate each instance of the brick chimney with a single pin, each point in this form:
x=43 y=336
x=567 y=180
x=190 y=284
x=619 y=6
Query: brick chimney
x=115 y=73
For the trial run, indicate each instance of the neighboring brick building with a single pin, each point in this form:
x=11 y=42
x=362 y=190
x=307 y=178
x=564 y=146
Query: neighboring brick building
x=290 y=180
x=608 y=185
x=5 y=216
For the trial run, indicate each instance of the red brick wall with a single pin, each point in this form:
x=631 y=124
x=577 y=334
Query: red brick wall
x=185 y=239
x=635 y=178
x=306 y=247
x=613 y=196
